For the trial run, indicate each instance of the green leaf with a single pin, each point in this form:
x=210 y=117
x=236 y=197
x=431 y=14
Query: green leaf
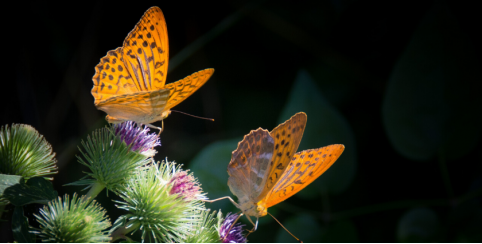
x=36 y=190
x=432 y=103
x=418 y=225
x=210 y=167
x=7 y=181
x=20 y=227
x=325 y=126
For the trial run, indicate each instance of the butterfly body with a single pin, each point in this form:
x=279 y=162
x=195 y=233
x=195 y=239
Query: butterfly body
x=129 y=82
x=265 y=170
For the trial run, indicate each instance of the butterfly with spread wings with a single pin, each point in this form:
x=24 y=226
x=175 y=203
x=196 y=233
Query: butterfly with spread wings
x=265 y=170
x=129 y=82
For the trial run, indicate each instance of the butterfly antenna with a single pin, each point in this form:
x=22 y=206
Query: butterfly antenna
x=286 y=229
x=192 y=115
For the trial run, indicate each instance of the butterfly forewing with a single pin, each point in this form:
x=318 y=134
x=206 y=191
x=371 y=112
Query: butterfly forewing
x=182 y=89
x=146 y=51
x=129 y=83
x=287 y=138
x=303 y=169
x=249 y=165
x=111 y=77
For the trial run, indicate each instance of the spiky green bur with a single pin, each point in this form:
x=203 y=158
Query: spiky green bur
x=110 y=160
x=153 y=210
x=24 y=152
x=76 y=220
x=206 y=231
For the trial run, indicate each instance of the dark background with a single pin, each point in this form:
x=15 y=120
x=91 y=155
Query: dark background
x=397 y=82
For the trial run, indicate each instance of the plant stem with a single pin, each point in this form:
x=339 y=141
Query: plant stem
x=96 y=188
x=122 y=231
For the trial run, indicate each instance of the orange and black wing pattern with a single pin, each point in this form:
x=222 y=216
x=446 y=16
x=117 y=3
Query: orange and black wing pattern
x=304 y=168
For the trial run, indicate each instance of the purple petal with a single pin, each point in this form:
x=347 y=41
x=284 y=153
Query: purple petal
x=136 y=136
x=235 y=235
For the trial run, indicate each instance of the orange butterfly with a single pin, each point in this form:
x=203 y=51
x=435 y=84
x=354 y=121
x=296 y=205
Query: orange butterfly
x=264 y=169
x=129 y=82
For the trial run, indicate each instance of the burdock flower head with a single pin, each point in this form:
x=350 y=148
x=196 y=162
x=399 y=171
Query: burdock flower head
x=152 y=208
x=137 y=137
x=235 y=234
x=185 y=185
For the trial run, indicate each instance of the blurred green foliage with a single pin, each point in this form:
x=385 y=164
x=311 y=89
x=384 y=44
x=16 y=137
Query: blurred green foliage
x=432 y=102
x=396 y=82
x=418 y=225
x=325 y=126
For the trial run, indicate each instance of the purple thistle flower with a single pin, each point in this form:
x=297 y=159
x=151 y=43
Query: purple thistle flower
x=141 y=140
x=235 y=235
x=185 y=185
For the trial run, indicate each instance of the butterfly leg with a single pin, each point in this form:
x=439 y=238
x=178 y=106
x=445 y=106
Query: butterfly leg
x=227 y=197
x=155 y=127
x=255 y=226
x=162 y=129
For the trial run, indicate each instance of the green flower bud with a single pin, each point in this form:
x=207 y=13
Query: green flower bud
x=79 y=220
x=24 y=152
x=110 y=161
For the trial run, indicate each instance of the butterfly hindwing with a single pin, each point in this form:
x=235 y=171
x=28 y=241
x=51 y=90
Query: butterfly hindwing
x=303 y=169
x=146 y=51
x=249 y=165
x=182 y=89
x=142 y=106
